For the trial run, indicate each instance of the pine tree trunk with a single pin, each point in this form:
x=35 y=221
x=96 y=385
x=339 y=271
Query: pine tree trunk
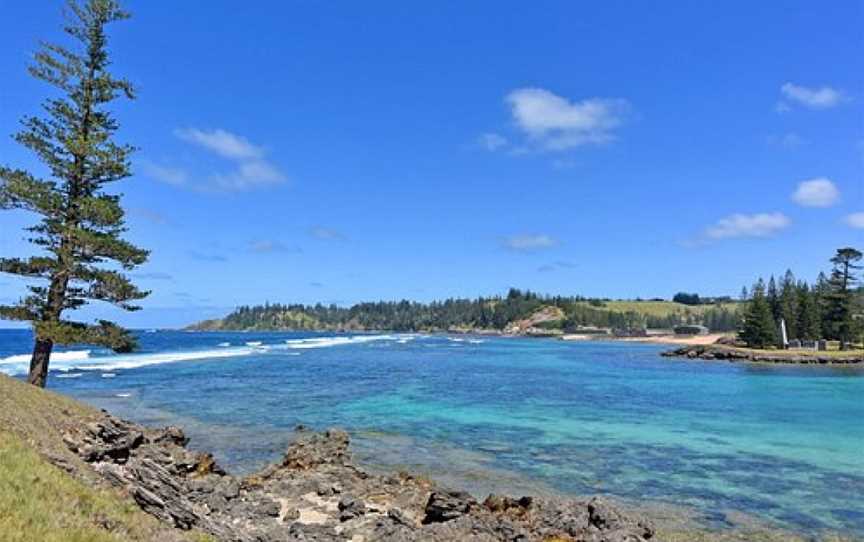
x=39 y=362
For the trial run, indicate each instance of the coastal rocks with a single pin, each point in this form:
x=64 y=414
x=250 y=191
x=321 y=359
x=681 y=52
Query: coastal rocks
x=731 y=353
x=316 y=493
x=448 y=505
x=539 y=324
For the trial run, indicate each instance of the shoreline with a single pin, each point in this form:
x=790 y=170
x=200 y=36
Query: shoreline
x=574 y=337
x=316 y=491
x=719 y=352
x=683 y=340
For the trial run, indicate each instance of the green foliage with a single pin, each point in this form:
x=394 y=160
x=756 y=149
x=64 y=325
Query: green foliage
x=809 y=317
x=80 y=225
x=839 y=299
x=759 y=329
x=686 y=299
x=493 y=313
x=831 y=309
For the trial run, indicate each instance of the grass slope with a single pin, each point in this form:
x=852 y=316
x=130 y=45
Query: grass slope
x=40 y=502
x=661 y=308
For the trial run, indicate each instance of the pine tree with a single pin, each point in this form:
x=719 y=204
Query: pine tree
x=809 y=316
x=773 y=297
x=789 y=304
x=840 y=296
x=820 y=297
x=758 y=330
x=80 y=224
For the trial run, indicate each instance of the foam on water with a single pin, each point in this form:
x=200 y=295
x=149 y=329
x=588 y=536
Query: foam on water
x=67 y=361
x=74 y=355
x=324 y=342
x=19 y=364
x=132 y=361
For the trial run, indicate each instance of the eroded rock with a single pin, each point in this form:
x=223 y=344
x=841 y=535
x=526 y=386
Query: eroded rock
x=316 y=493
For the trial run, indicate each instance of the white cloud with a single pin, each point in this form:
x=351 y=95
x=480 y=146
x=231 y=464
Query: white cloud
x=814 y=98
x=150 y=215
x=248 y=175
x=555 y=123
x=560 y=264
x=326 y=234
x=221 y=142
x=755 y=225
x=492 y=142
x=789 y=140
x=250 y=167
x=855 y=220
x=155 y=275
x=170 y=175
x=529 y=242
x=266 y=246
x=819 y=192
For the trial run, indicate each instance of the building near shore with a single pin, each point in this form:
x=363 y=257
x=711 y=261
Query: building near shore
x=691 y=329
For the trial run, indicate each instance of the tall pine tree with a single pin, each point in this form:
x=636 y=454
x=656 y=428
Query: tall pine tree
x=789 y=304
x=758 y=330
x=773 y=298
x=81 y=225
x=840 y=296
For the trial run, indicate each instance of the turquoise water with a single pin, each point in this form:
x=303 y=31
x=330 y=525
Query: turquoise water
x=782 y=443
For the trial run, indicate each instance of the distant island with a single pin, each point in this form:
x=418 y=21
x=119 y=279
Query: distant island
x=519 y=312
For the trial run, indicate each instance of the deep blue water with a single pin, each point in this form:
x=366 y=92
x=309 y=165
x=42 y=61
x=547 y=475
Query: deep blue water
x=782 y=443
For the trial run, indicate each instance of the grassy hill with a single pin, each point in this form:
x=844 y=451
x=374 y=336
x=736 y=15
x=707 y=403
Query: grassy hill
x=40 y=502
x=662 y=309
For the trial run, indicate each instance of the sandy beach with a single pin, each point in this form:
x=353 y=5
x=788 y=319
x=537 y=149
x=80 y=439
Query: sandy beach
x=684 y=340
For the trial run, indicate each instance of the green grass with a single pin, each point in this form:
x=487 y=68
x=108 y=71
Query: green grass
x=661 y=308
x=800 y=352
x=39 y=502
x=42 y=503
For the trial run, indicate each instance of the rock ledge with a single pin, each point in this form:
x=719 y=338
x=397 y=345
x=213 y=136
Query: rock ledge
x=316 y=493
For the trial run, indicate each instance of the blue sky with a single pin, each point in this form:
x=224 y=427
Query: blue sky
x=345 y=151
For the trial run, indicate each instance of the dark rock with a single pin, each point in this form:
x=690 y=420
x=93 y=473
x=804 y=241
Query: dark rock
x=350 y=508
x=171 y=434
x=447 y=506
x=317 y=494
x=315 y=449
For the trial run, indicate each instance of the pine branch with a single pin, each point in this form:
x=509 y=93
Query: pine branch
x=17 y=312
x=108 y=286
x=105 y=334
x=21 y=190
x=89 y=243
x=33 y=267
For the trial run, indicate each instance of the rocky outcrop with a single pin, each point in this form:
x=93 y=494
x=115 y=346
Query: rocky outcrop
x=538 y=324
x=316 y=493
x=731 y=353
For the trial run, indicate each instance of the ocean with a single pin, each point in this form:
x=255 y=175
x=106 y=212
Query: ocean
x=780 y=445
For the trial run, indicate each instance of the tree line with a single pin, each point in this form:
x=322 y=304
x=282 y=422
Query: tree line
x=489 y=313
x=829 y=309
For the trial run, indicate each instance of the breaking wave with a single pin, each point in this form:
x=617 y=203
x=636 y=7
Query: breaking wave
x=324 y=342
x=81 y=360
